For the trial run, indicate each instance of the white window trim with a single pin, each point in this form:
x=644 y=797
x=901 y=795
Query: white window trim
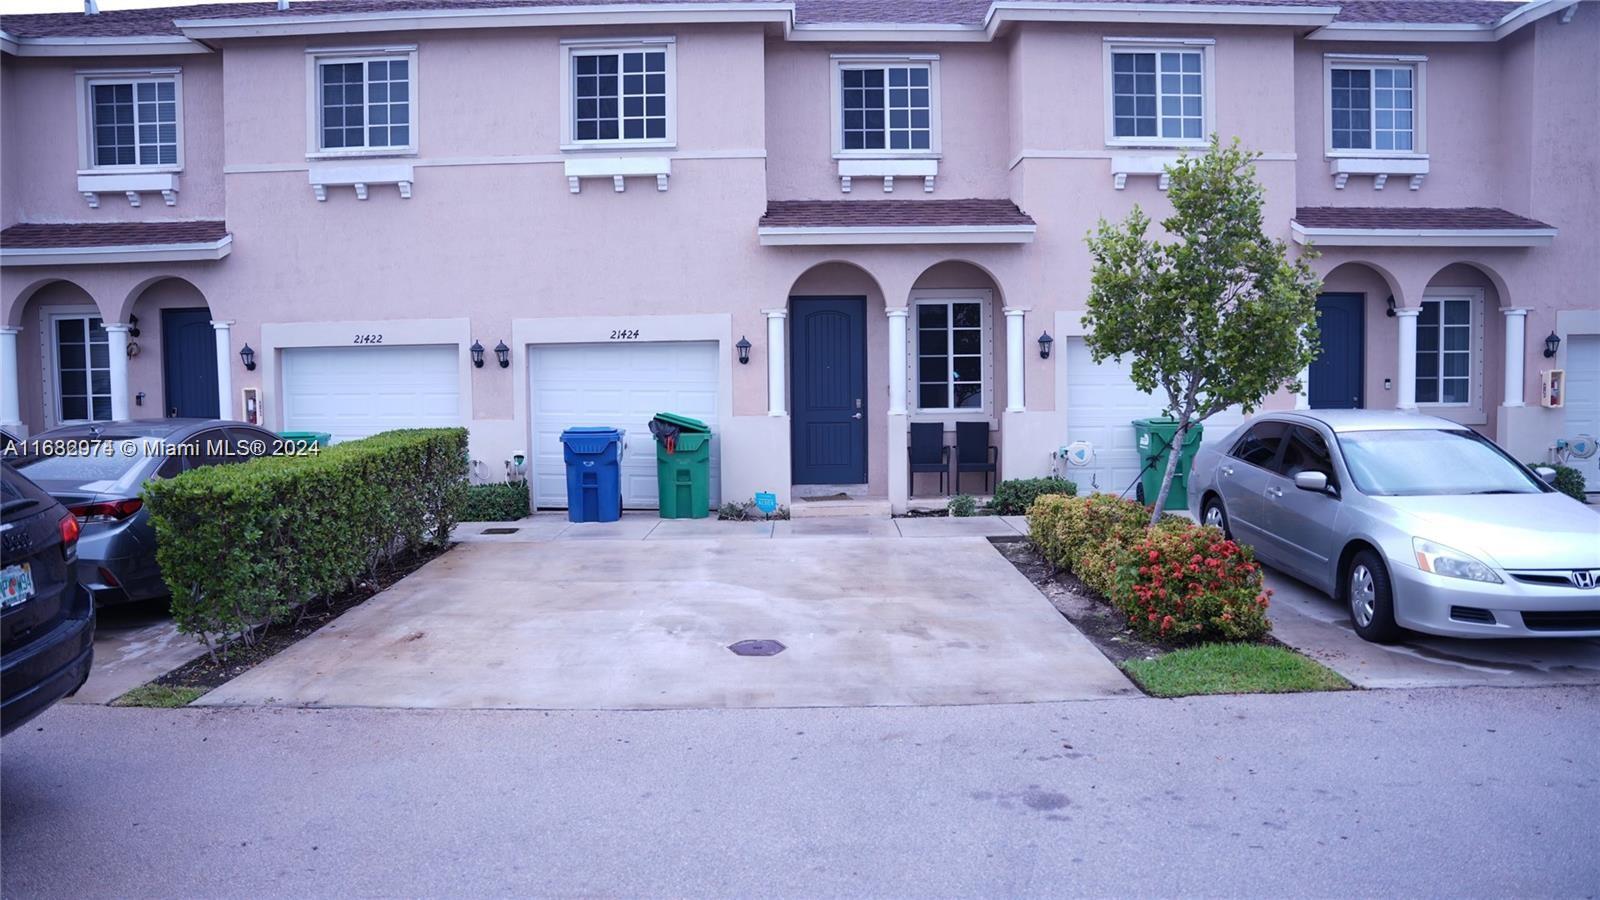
x=1208 y=81
x=838 y=62
x=315 y=57
x=569 y=142
x=1419 y=102
x=51 y=350
x=1474 y=400
x=86 y=79
x=984 y=412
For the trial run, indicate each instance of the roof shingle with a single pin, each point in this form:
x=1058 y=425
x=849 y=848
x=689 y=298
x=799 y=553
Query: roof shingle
x=62 y=235
x=1450 y=218
x=892 y=213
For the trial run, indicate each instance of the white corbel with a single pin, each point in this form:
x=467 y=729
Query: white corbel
x=573 y=184
x=1379 y=180
x=1119 y=180
x=133 y=198
x=321 y=190
x=1416 y=180
x=361 y=190
x=1163 y=181
x=661 y=181
x=888 y=184
x=93 y=199
x=171 y=197
x=927 y=184
x=844 y=183
x=405 y=190
x=1566 y=14
x=618 y=184
x=1339 y=180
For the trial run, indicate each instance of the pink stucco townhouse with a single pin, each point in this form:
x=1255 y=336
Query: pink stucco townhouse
x=811 y=223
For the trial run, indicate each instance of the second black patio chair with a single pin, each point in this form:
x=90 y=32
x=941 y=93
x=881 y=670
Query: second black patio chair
x=927 y=453
x=974 y=453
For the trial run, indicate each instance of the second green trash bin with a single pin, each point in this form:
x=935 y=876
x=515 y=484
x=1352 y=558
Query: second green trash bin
x=683 y=465
x=1154 y=440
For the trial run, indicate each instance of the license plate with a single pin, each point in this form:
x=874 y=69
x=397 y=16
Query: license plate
x=16 y=584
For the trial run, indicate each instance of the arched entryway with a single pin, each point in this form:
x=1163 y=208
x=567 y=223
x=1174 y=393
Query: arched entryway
x=1354 y=313
x=174 y=370
x=1461 y=349
x=63 y=361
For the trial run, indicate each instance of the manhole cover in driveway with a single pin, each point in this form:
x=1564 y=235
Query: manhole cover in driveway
x=757 y=648
x=499 y=531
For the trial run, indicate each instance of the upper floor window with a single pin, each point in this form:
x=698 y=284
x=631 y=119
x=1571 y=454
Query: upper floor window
x=132 y=120
x=886 y=105
x=619 y=93
x=1374 y=105
x=364 y=101
x=1158 y=93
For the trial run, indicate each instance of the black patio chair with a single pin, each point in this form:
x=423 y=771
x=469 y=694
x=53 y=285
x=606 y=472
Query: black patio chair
x=974 y=453
x=927 y=453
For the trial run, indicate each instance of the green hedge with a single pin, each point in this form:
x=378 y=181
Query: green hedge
x=1013 y=497
x=1568 y=481
x=504 y=501
x=243 y=545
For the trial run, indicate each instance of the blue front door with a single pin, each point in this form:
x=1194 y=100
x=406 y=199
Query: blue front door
x=1336 y=375
x=189 y=363
x=828 y=367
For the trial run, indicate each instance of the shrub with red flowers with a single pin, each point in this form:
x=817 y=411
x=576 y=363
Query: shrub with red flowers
x=1187 y=584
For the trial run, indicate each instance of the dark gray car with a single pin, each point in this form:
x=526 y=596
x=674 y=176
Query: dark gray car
x=98 y=470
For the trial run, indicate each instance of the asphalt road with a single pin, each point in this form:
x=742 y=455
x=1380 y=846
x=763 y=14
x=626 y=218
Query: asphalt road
x=1457 y=792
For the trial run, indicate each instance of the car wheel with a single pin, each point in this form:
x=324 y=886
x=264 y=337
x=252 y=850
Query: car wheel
x=1212 y=513
x=1371 y=598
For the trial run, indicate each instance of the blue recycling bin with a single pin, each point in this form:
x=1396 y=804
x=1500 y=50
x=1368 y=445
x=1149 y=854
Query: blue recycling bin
x=594 y=474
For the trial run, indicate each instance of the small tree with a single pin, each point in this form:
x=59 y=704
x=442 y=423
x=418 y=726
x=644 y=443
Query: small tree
x=1219 y=316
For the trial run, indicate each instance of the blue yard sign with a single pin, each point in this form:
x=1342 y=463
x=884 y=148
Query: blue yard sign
x=766 y=502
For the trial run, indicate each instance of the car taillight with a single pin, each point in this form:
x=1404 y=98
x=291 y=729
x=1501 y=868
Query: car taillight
x=109 y=511
x=70 y=529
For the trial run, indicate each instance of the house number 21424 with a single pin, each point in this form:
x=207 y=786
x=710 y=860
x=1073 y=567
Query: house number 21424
x=368 y=339
x=625 y=334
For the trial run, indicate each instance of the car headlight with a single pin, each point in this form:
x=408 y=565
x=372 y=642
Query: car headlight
x=1451 y=563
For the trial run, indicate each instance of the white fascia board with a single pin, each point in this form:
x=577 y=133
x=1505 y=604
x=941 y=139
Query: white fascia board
x=1423 y=237
x=1528 y=14
x=886 y=33
x=203 y=251
x=147 y=45
x=546 y=16
x=1411 y=32
x=903 y=234
x=1004 y=12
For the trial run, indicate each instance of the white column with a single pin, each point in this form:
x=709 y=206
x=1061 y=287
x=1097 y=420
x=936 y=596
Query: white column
x=224 y=368
x=897 y=359
x=1516 y=354
x=1408 y=357
x=1014 y=358
x=10 y=392
x=117 y=338
x=775 y=364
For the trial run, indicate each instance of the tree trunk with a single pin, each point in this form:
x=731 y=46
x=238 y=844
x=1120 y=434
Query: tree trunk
x=1172 y=469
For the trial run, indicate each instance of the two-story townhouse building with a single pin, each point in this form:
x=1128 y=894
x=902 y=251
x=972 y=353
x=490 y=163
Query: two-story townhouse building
x=812 y=224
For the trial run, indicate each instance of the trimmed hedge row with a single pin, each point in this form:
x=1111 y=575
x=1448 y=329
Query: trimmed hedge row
x=503 y=501
x=1177 y=581
x=1014 y=496
x=244 y=545
x=1568 y=481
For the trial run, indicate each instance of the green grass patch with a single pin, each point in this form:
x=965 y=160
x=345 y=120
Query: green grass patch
x=161 y=696
x=1232 y=669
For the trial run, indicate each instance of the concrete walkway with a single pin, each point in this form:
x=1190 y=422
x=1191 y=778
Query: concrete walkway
x=646 y=526
x=579 y=621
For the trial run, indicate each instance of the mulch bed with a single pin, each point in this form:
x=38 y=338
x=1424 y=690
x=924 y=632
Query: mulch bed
x=236 y=658
x=1106 y=628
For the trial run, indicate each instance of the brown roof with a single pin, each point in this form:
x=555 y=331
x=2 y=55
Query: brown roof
x=141 y=22
x=1412 y=218
x=39 y=236
x=891 y=213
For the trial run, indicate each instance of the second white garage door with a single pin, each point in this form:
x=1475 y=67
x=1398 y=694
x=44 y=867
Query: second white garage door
x=618 y=386
x=1583 y=401
x=354 y=392
x=1102 y=403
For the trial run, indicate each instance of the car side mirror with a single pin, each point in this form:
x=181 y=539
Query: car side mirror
x=1315 y=482
x=1545 y=472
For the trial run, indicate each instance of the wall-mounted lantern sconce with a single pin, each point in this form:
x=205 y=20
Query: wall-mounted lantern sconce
x=1045 y=343
x=133 y=326
x=1551 y=345
x=477 y=355
x=1390 y=311
x=503 y=353
x=248 y=357
x=138 y=399
x=133 y=349
x=744 y=350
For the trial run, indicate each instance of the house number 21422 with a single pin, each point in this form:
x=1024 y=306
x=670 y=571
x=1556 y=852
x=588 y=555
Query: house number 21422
x=625 y=334
x=368 y=339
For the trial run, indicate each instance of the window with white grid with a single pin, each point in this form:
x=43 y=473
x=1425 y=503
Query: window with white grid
x=886 y=107
x=950 y=354
x=619 y=94
x=1373 y=107
x=1444 y=350
x=1158 y=95
x=133 y=122
x=365 y=104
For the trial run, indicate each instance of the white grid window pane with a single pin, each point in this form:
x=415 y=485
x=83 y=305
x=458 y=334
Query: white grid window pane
x=135 y=123
x=366 y=104
x=1352 y=109
x=864 y=122
x=619 y=95
x=1182 y=115
x=1392 y=109
x=1133 y=94
x=886 y=108
x=83 y=369
x=950 y=355
x=1373 y=108
x=1158 y=94
x=1444 y=351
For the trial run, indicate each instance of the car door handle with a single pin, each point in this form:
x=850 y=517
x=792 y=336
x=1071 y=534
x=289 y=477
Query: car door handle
x=1227 y=470
x=1274 y=492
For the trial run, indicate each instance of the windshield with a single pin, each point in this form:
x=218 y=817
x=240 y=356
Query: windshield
x=83 y=461
x=1412 y=463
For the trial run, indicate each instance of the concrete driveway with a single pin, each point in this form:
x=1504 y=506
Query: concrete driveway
x=605 y=619
x=1319 y=627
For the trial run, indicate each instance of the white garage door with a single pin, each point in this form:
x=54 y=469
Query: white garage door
x=618 y=386
x=1583 y=400
x=354 y=392
x=1102 y=402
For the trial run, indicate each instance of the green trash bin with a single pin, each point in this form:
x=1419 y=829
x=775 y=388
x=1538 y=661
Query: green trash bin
x=312 y=438
x=683 y=472
x=1154 y=440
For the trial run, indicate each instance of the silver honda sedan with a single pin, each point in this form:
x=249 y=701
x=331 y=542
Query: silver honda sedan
x=1414 y=522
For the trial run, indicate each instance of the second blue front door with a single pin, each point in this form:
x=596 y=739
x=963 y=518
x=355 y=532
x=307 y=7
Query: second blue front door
x=828 y=368
x=189 y=363
x=1336 y=375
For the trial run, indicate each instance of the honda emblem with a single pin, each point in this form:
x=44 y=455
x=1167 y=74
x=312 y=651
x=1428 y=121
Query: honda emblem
x=1585 y=578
